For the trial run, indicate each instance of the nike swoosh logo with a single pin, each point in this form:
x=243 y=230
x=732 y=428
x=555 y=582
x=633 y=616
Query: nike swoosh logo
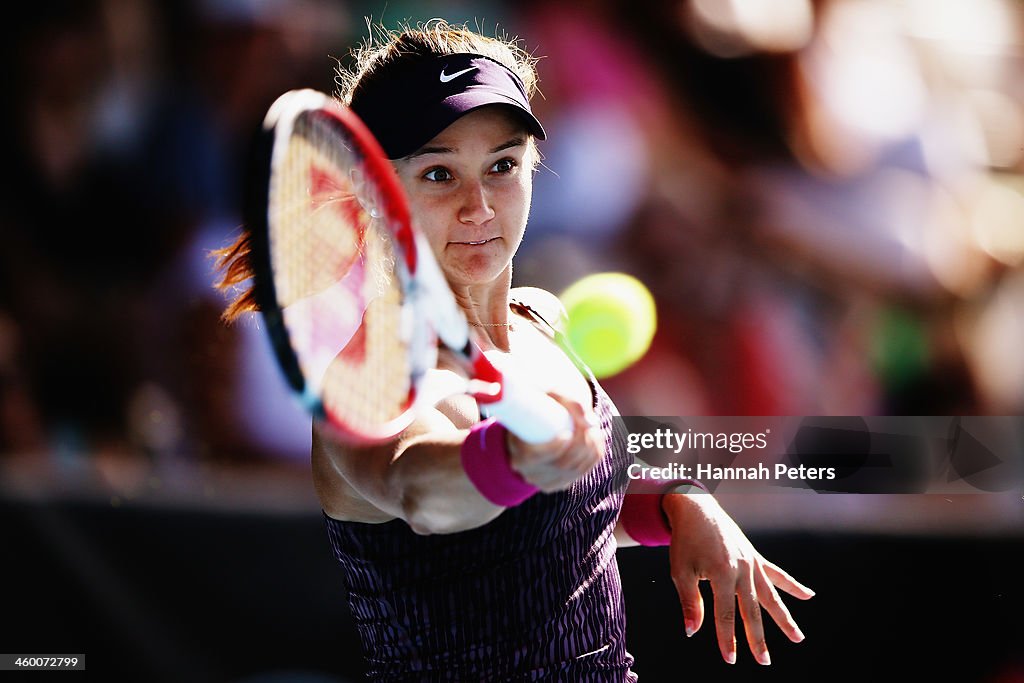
x=450 y=77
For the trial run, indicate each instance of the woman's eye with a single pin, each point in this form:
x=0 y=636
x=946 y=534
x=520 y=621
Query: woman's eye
x=438 y=175
x=504 y=166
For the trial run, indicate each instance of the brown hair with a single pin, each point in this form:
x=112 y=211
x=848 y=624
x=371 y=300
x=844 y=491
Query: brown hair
x=235 y=263
x=381 y=48
x=436 y=37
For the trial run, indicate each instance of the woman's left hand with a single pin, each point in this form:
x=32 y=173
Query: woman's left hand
x=707 y=544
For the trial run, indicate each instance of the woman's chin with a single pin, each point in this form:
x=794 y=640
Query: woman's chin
x=476 y=272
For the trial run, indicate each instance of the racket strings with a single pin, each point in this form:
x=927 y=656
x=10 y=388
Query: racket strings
x=335 y=274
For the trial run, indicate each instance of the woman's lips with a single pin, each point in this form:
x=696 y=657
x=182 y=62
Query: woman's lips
x=475 y=243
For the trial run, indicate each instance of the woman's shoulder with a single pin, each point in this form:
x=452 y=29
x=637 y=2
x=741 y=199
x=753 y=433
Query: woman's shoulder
x=542 y=304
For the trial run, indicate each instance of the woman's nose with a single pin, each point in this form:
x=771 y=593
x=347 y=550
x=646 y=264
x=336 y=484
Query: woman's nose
x=476 y=206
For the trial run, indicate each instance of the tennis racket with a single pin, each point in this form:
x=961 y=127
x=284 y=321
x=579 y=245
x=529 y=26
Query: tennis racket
x=351 y=295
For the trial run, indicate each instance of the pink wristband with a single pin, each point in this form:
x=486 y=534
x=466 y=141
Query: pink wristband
x=485 y=460
x=641 y=515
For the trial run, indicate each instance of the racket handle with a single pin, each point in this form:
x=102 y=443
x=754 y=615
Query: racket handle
x=531 y=415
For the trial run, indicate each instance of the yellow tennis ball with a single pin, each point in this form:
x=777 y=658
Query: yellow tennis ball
x=612 y=319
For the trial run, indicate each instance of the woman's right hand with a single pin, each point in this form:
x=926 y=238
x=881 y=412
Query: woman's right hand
x=556 y=464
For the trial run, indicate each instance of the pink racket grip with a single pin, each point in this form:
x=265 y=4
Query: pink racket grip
x=531 y=415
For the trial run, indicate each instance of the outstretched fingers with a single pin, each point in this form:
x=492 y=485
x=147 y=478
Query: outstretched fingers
x=776 y=608
x=740 y=589
x=725 y=619
x=779 y=577
x=688 y=587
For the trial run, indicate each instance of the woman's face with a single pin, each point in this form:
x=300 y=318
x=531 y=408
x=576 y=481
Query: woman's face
x=469 y=192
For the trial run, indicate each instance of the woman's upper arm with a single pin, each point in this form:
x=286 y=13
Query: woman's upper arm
x=338 y=497
x=363 y=483
x=360 y=479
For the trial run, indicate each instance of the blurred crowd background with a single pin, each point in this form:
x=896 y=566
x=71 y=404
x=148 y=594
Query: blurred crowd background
x=824 y=196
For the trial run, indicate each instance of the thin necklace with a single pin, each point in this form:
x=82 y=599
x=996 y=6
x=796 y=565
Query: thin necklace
x=508 y=325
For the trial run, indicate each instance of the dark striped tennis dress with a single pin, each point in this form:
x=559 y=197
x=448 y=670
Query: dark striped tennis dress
x=533 y=595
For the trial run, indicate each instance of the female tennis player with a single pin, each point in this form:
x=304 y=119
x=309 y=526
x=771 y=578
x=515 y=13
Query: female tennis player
x=470 y=554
